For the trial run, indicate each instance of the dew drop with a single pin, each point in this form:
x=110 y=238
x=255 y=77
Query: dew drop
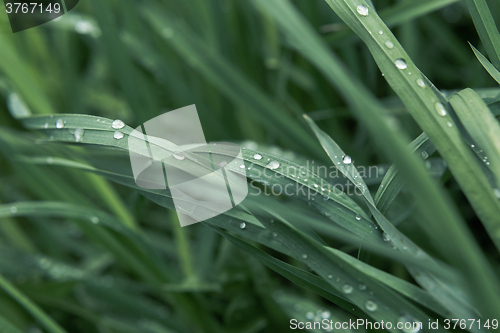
x=310 y=315
x=79 y=134
x=273 y=165
x=400 y=63
x=275 y=234
x=362 y=10
x=347 y=288
x=94 y=219
x=304 y=256
x=449 y=124
x=362 y=287
x=441 y=110
x=59 y=123
x=330 y=276
x=242 y=166
x=358 y=217
x=371 y=305
x=347 y=159
x=13 y=209
x=389 y=44
x=242 y=225
x=118 y=135
x=178 y=156
x=424 y=154
x=421 y=83
x=117 y=124
x=46 y=125
x=315 y=185
x=386 y=237
x=497 y=193
x=380 y=32
x=257 y=156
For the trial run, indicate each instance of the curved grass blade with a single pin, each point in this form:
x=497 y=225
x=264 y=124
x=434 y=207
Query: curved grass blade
x=486 y=28
x=495 y=74
x=305 y=184
x=38 y=314
x=392 y=183
x=447 y=296
x=484 y=130
x=380 y=304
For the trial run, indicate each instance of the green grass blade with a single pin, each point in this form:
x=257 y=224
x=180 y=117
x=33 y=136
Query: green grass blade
x=394 y=16
x=421 y=103
x=486 y=28
x=484 y=130
x=392 y=184
x=38 y=314
x=455 y=303
x=486 y=64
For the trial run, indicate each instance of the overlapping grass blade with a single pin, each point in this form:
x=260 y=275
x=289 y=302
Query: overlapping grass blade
x=486 y=28
x=482 y=127
x=450 y=299
x=422 y=103
x=486 y=64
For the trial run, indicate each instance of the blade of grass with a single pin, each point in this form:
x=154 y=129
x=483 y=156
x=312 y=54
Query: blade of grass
x=482 y=126
x=36 y=312
x=486 y=64
x=433 y=203
x=486 y=28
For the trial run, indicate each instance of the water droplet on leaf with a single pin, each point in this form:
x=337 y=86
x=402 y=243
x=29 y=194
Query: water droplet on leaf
x=362 y=10
x=273 y=165
x=347 y=288
x=118 y=135
x=441 y=110
x=371 y=305
x=400 y=63
x=79 y=134
x=59 y=123
x=117 y=124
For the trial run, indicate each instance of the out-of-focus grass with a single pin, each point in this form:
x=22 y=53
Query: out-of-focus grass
x=85 y=250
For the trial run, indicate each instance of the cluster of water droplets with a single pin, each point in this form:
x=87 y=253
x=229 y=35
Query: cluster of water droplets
x=400 y=63
x=118 y=124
